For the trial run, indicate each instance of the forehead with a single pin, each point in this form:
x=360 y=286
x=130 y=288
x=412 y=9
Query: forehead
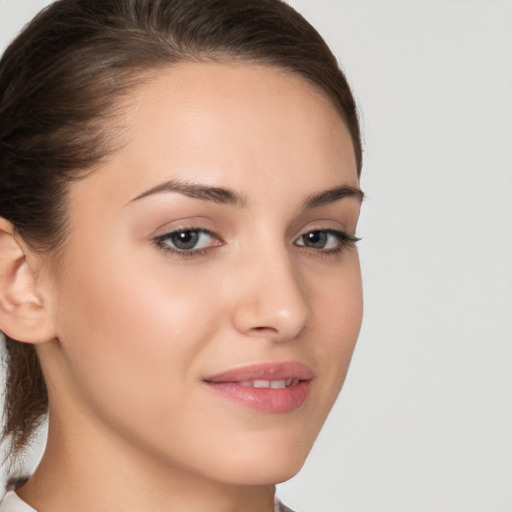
x=236 y=125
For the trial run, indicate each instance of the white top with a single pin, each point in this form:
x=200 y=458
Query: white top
x=13 y=503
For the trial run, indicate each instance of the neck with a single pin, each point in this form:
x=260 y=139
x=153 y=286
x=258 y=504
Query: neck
x=92 y=471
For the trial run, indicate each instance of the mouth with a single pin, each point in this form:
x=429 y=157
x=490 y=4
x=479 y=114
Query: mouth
x=271 y=388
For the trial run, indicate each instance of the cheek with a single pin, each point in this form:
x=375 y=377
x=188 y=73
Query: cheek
x=339 y=303
x=130 y=330
x=338 y=317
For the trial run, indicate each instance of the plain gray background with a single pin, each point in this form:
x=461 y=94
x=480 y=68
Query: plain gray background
x=424 y=422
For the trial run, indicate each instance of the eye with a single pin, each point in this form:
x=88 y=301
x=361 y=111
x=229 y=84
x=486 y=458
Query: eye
x=187 y=241
x=327 y=240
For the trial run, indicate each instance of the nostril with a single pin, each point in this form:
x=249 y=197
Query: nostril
x=264 y=329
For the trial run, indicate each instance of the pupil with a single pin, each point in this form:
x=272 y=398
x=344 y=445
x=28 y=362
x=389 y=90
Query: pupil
x=185 y=239
x=316 y=239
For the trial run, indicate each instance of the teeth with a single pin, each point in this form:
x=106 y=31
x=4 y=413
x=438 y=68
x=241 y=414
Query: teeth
x=261 y=383
x=274 y=384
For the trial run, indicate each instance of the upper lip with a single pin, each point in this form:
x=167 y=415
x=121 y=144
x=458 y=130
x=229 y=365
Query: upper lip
x=264 y=371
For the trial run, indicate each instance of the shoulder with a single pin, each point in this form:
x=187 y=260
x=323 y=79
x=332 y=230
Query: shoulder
x=11 y=502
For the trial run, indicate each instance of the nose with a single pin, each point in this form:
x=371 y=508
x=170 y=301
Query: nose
x=271 y=300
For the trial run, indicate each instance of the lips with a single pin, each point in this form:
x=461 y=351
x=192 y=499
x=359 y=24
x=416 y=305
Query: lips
x=273 y=388
x=264 y=371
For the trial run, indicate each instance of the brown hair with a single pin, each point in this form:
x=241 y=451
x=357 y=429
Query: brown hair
x=60 y=81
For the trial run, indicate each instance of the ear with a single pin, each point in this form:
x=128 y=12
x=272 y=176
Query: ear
x=24 y=312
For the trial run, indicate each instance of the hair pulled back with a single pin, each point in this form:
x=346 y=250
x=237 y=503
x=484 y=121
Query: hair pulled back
x=61 y=81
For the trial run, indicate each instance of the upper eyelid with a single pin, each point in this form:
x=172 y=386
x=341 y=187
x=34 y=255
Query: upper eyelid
x=343 y=235
x=301 y=233
x=338 y=230
x=331 y=230
x=181 y=229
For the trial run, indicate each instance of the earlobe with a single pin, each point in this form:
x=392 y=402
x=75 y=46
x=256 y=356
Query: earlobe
x=24 y=314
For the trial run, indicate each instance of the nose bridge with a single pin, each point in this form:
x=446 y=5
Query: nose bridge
x=273 y=300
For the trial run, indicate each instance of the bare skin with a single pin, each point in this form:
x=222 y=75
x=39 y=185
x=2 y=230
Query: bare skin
x=133 y=325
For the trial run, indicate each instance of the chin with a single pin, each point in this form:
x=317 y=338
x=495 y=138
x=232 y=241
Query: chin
x=272 y=473
x=267 y=466
x=276 y=475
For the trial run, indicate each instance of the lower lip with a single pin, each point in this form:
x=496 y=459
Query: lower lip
x=267 y=400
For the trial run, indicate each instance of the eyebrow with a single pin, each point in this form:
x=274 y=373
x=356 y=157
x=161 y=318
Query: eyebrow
x=227 y=196
x=332 y=195
x=205 y=192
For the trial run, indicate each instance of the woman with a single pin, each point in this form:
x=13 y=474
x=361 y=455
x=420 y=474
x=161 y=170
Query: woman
x=179 y=285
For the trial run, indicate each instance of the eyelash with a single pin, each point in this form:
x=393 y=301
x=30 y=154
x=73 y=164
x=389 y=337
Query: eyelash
x=161 y=243
x=345 y=240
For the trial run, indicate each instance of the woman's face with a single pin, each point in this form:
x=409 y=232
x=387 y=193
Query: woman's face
x=210 y=256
